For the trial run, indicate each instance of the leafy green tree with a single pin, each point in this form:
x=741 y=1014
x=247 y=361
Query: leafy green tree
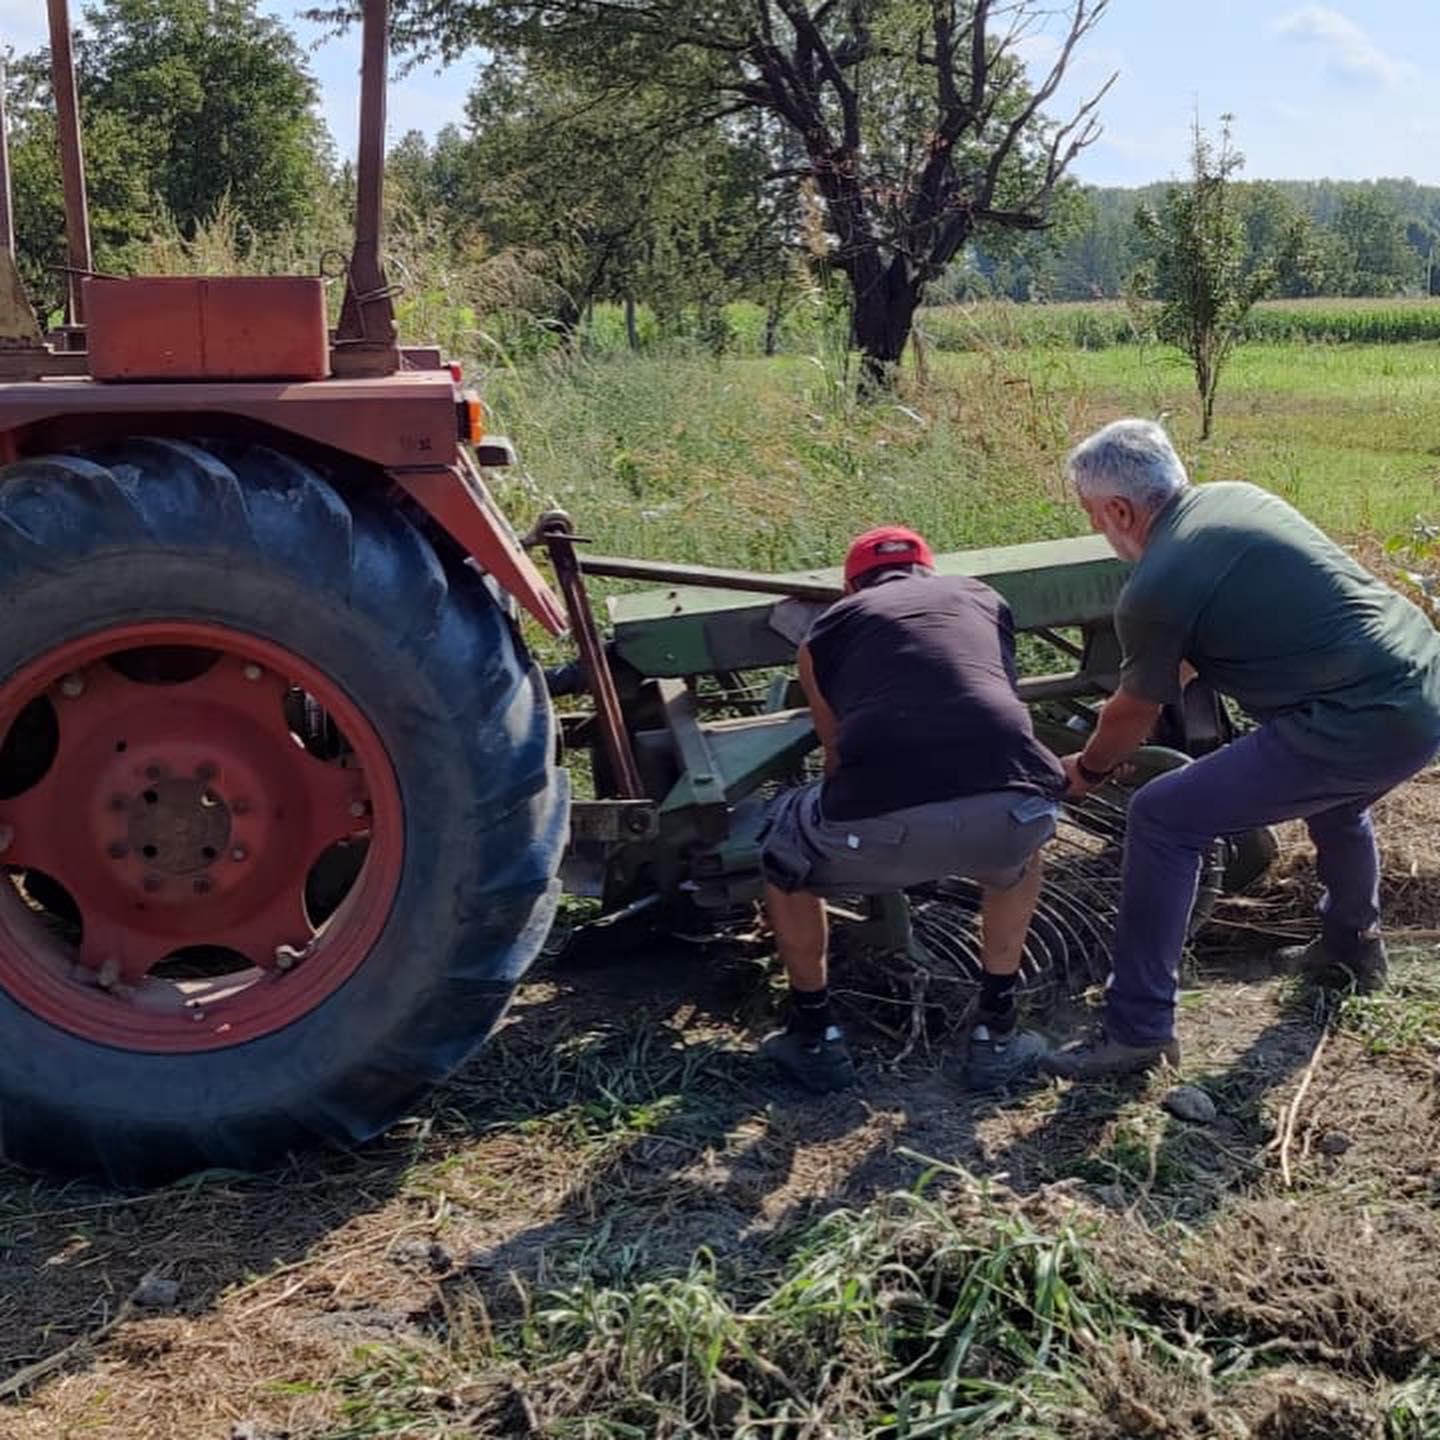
x=220 y=99
x=121 y=207
x=1371 y=249
x=914 y=123
x=185 y=104
x=1198 y=266
x=1279 y=237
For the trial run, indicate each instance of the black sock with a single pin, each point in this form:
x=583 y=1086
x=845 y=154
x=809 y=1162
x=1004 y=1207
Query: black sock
x=997 y=1000
x=810 y=1012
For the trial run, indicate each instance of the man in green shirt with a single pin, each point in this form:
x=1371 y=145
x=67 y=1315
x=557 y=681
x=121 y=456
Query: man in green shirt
x=1341 y=672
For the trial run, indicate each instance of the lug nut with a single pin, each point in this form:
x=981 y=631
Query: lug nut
x=197 y=1014
x=359 y=809
x=73 y=685
x=253 y=672
x=287 y=957
x=118 y=849
x=153 y=883
x=203 y=886
x=154 y=772
x=239 y=853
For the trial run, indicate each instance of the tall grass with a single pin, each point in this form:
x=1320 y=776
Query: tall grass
x=772 y=463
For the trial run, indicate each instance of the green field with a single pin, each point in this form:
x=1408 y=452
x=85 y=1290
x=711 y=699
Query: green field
x=771 y=463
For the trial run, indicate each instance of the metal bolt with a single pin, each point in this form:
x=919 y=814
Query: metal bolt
x=73 y=685
x=203 y=886
x=153 y=883
x=7 y=837
x=253 y=672
x=118 y=849
x=197 y=1014
x=358 y=808
x=287 y=957
x=239 y=853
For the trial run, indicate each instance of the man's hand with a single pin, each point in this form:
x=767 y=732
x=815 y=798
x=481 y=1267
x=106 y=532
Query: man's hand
x=1076 y=785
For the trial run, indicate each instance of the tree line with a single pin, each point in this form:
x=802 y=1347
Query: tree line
x=1341 y=238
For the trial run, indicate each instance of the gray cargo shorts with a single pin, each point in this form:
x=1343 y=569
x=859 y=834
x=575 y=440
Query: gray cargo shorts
x=989 y=838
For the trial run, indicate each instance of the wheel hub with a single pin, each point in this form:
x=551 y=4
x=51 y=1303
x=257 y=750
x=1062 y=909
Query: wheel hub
x=179 y=816
x=176 y=827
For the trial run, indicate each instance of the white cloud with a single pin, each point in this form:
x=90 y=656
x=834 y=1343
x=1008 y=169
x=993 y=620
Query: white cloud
x=1351 y=56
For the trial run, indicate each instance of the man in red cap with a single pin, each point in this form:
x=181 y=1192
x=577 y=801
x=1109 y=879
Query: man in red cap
x=931 y=769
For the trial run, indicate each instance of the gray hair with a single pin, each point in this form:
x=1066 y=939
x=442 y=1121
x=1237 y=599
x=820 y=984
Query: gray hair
x=1131 y=459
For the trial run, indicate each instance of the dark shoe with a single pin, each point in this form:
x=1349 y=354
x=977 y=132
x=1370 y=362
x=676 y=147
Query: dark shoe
x=819 y=1063
x=1105 y=1059
x=998 y=1060
x=1337 y=959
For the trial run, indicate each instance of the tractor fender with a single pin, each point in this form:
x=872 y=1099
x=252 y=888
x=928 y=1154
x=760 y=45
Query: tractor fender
x=455 y=497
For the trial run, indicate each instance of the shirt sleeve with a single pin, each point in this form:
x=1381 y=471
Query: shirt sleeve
x=1151 y=650
x=1005 y=623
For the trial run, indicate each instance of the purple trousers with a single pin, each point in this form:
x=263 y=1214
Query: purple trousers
x=1173 y=819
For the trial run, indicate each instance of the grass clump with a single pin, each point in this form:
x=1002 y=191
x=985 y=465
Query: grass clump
x=919 y=1315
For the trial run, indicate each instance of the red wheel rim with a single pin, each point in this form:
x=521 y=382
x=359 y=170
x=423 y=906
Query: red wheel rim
x=160 y=831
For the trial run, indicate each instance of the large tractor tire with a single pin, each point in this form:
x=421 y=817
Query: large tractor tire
x=278 y=812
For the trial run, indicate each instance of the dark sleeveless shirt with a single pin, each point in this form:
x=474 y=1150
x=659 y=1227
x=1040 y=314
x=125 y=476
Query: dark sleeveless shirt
x=920 y=672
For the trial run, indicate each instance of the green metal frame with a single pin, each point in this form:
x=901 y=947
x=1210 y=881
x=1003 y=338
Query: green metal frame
x=703 y=770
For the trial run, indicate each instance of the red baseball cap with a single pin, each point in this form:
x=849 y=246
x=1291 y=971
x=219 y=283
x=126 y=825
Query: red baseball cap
x=884 y=546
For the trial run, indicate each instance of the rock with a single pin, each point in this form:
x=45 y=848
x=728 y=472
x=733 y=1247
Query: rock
x=156 y=1294
x=254 y=1430
x=1190 y=1102
x=1333 y=1142
x=1112 y=1197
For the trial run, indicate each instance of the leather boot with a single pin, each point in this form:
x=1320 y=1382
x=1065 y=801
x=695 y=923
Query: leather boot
x=1335 y=959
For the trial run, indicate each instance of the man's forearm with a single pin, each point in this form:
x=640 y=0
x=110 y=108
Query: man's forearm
x=1125 y=724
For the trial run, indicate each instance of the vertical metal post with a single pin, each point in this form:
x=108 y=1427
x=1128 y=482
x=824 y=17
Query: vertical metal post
x=7 y=221
x=365 y=337
x=72 y=157
x=558 y=536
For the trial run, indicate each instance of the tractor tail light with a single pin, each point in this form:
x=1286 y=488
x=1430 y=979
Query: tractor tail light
x=471 y=414
x=457 y=374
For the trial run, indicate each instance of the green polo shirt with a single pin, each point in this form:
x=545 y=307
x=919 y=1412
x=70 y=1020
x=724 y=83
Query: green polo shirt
x=1273 y=613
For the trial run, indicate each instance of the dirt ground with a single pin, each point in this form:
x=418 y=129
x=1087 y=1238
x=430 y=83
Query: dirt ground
x=619 y=1122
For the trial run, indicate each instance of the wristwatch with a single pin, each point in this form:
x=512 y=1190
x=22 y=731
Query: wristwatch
x=1089 y=776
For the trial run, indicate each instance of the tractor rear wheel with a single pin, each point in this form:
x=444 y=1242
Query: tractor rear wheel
x=278 y=815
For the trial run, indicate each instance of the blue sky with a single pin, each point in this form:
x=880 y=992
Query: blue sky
x=1345 y=90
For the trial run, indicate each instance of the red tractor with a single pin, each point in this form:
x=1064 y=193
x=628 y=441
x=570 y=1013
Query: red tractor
x=278 y=804
x=280 y=817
